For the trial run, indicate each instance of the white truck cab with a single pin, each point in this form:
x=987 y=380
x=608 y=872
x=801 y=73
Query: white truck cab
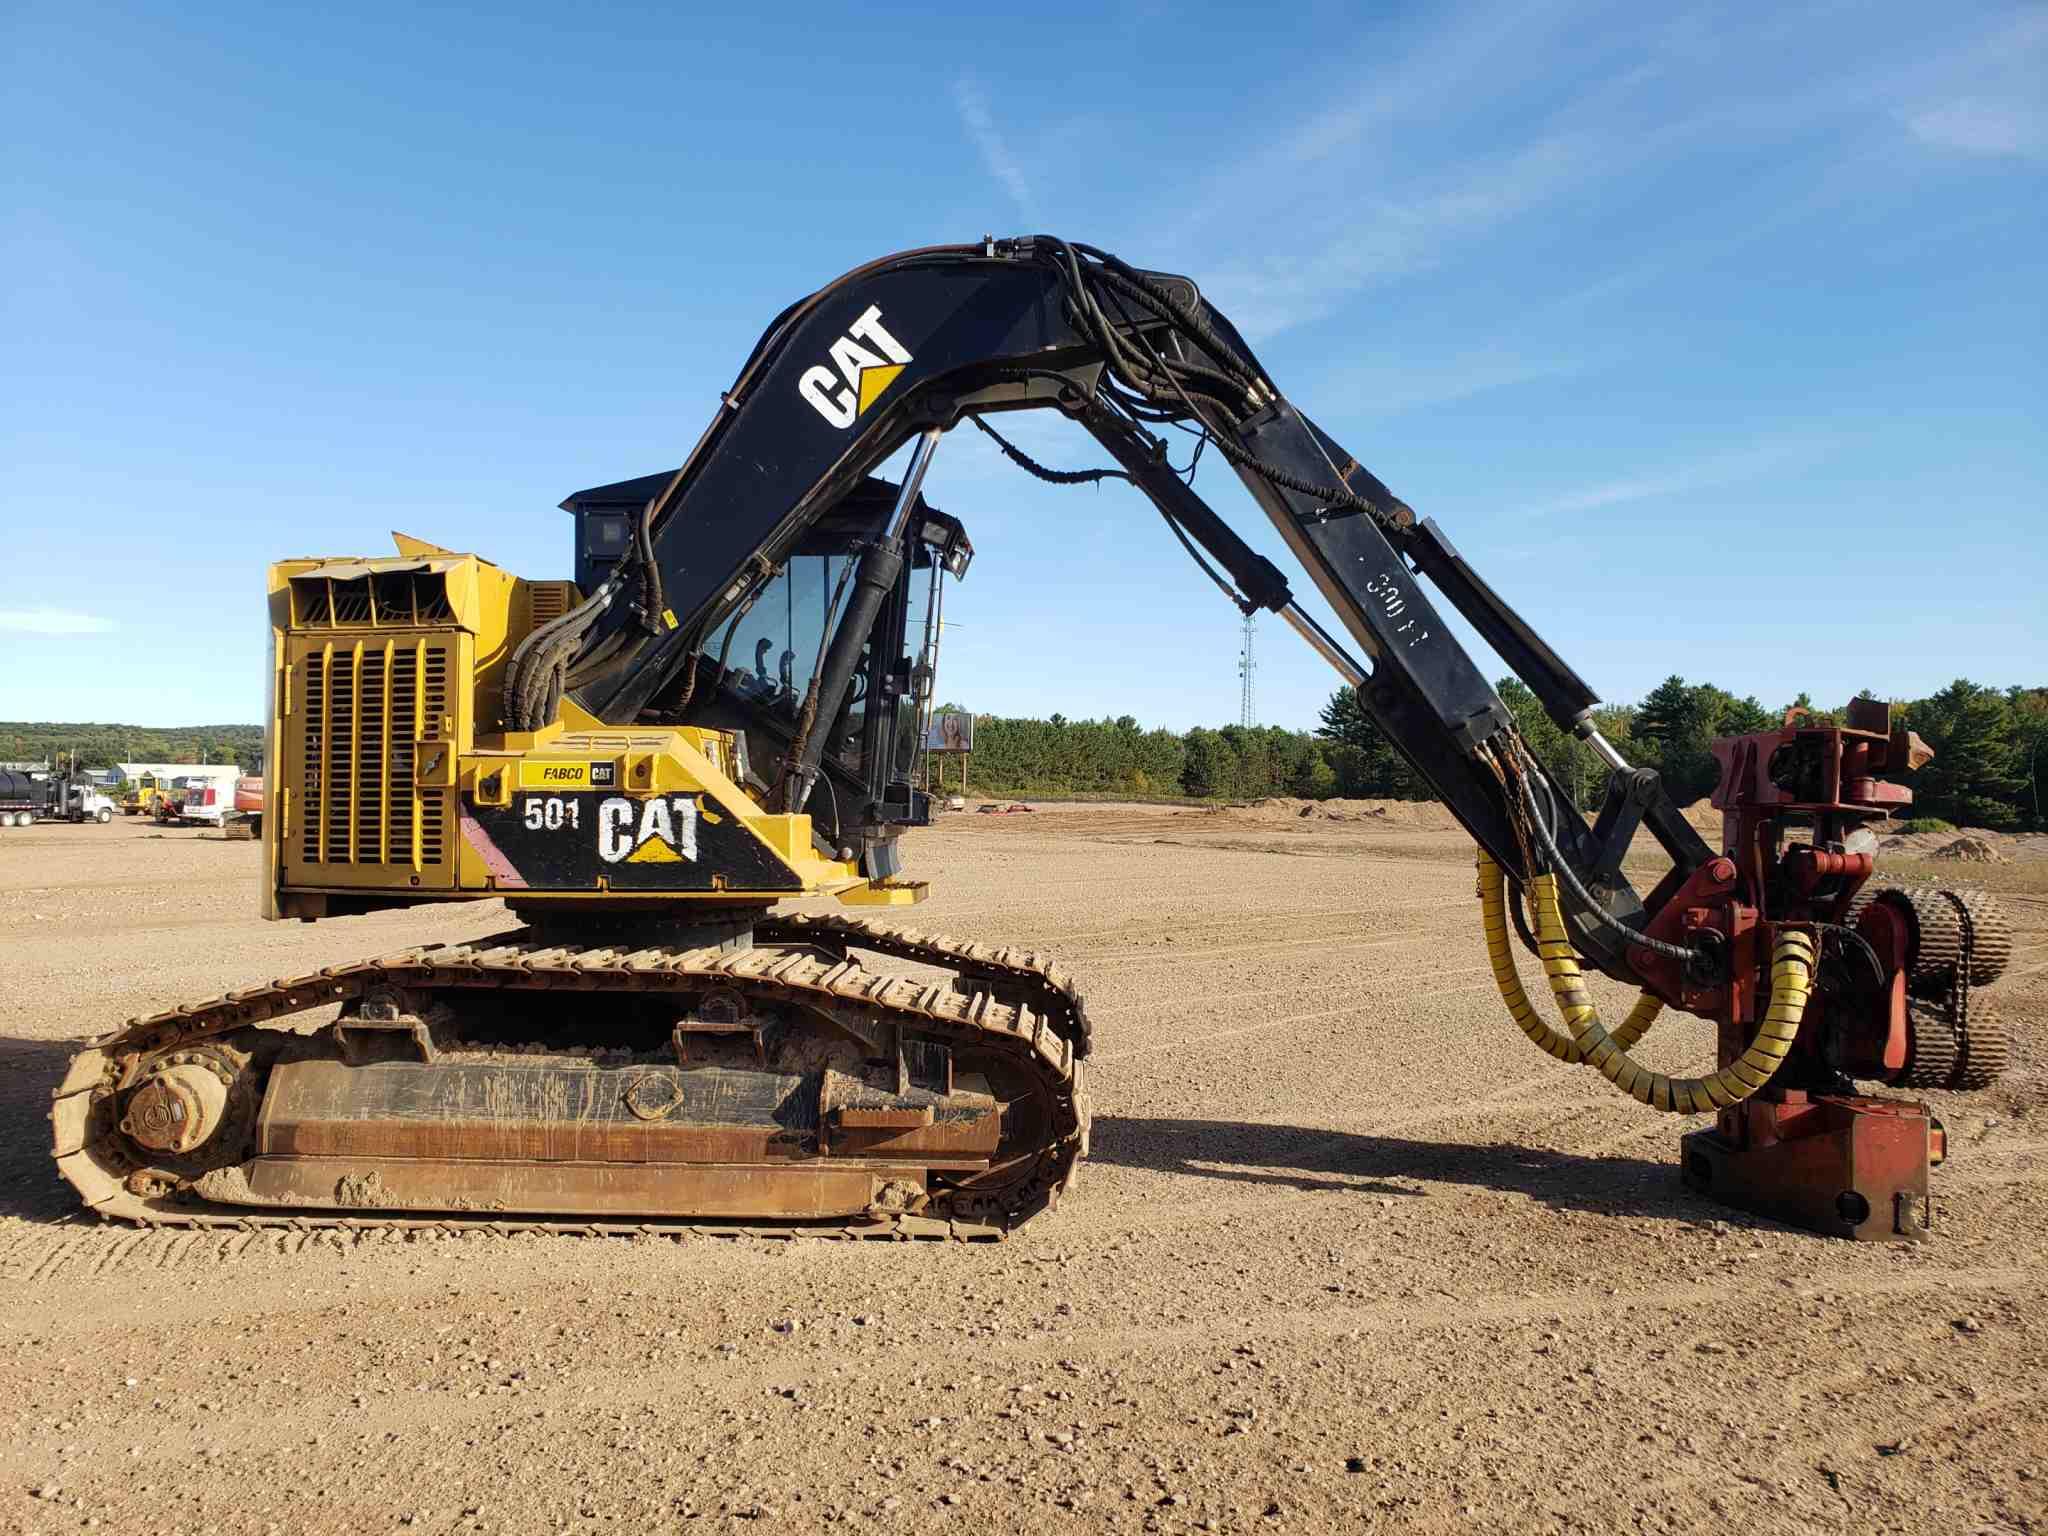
x=207 y=801
x=84 y=803
x=208 y=793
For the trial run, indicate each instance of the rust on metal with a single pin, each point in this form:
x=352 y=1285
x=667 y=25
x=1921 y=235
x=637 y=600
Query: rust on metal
x=971 y=1121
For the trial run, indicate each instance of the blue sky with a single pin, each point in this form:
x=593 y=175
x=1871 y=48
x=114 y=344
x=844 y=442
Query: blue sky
x=1714 y=337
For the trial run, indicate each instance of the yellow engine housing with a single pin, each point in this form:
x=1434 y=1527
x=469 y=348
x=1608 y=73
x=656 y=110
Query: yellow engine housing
x=391 y=782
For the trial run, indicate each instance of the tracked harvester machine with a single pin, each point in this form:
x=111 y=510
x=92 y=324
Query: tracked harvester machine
x=720 y=713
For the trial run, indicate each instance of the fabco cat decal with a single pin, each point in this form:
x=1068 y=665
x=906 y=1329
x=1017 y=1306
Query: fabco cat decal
x=865 y=362
x=662 y=830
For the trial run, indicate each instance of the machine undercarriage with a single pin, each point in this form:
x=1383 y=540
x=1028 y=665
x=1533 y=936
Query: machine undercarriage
x=768 y=1081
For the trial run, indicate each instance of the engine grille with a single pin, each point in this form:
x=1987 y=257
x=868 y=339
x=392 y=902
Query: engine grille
x=365 y=705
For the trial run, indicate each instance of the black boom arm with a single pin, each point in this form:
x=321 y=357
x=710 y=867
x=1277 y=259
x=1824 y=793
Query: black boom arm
x=912 y=343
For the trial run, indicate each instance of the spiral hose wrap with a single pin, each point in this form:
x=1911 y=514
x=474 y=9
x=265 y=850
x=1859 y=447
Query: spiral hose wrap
x=1500 y=955
x=1585 y=1039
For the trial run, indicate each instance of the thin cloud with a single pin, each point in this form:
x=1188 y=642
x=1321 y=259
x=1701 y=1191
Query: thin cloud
x=995 y=150
x=1392 y=237
x=1979 y=127
x=1682 y=479
x=1296 y=159
x=1988 y=99
x=1395 y=384
x=53 y=621
x=1371 y=191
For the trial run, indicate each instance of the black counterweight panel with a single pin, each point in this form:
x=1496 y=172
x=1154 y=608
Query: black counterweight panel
x=572 y=841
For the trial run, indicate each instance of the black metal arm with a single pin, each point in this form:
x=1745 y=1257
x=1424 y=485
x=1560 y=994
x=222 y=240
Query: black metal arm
x=914 y=342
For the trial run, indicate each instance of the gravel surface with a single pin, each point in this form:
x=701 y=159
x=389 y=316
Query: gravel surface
x=1348 y=1254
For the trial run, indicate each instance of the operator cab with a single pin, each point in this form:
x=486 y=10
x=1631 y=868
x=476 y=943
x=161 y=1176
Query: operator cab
x=754 y=666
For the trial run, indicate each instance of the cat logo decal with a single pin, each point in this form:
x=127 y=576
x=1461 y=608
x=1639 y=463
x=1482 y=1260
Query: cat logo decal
x=865 y=362
x=662 y=830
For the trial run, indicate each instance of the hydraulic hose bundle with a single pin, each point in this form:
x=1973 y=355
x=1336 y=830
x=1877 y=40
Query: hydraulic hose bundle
x=1500 y=954
x=1114 y=303
x=1585 y=1039
x=536 y=674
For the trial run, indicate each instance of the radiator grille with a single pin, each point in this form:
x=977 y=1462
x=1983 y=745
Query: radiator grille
x=365 y=705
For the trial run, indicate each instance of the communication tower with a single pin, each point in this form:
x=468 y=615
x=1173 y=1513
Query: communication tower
x=1247 y=668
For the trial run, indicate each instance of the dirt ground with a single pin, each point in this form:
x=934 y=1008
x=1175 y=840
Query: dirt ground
x=1348 y=1255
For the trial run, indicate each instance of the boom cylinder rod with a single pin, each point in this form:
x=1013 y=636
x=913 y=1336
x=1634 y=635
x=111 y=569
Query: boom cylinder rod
x=1323 y=645
x=1603 y=749
x=913 y=482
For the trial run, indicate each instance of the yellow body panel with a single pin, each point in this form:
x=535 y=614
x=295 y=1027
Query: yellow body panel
x=886 y=893
x=391 y=784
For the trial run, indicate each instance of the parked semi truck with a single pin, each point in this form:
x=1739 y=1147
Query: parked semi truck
x=86 y=802
x=25 y=796
x=30 y=795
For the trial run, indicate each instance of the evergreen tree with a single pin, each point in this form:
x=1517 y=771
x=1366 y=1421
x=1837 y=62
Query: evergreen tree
x=1815 y=716
x=1371 y=768
x=1314 y=778
x=1677 y=721
x=1209 y=767
x=1992 y=748
x=1977 y=777
x=2030 y=742
x=1571 y=765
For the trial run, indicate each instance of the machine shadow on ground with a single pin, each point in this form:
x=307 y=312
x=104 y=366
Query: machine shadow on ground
x=30 y=1189
x=1314 y=1158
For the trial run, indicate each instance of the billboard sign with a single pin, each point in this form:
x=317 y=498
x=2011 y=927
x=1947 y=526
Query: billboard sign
x=952 y=731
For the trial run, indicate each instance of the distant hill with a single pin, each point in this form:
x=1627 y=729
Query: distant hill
x=102 y=746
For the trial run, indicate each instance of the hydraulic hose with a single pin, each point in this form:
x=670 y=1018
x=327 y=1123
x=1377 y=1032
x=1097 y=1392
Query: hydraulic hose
x=1500 y=954
x=1791 y=984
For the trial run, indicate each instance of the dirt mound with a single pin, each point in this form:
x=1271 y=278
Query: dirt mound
x=1973 y=850
x=1969 y=845
x=1703 y=818
x=1422 y=815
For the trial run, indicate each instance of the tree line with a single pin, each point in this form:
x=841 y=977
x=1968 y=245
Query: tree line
x=102 y=746
x=1990 y=746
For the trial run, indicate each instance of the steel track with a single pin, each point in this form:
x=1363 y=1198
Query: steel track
x=1006 y=1002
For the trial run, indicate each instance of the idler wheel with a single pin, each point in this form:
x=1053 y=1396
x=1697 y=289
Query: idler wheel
x=177 y=1109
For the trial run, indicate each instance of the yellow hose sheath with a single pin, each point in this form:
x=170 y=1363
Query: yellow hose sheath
x=1791 y=983
x=1500 y=955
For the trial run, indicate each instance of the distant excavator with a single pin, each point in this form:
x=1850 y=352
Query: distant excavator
x=723 y=711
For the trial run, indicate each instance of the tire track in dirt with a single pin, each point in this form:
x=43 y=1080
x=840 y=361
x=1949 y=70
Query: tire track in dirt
x=1070 y=1349
x=1190 y=1042
x=1921 y=1418
x=1182 y=923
